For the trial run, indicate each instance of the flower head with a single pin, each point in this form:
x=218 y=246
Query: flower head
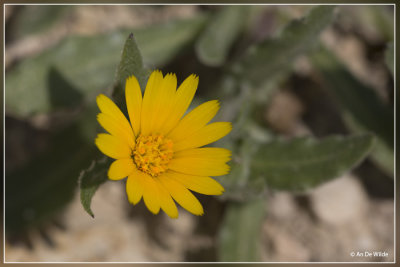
x=161 y=149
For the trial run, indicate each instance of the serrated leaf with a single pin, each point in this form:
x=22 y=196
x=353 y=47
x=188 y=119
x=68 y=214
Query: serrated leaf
x=90 y=180
x=305 y=163
x=214 y=43
x=273 y=57
x=88 y=63
x=239 y=237
x=362 y=108
x=131 y=64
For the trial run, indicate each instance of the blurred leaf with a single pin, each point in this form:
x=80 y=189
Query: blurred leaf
x=239 y=237
x=32 y=19
x=131 y=64
x=88 y=63
x=90 y=180
x=41 y=188
x=304 y=163
x=356 y=98
x=389 y=57
x=273 y=57
x=363 y=110
x=214 y=43
x=160 y=43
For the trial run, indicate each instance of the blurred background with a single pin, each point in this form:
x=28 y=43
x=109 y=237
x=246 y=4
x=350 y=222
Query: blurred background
x=338 y=81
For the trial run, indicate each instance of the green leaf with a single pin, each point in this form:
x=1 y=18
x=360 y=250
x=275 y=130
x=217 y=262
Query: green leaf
x=239 y=237
x=389 y=57
x=214 y=43
x=362 y=108
x=88 y=64
x=273 y=57
x=304 y=163
x=90 y=180
x=131 y=64
x=160 y=43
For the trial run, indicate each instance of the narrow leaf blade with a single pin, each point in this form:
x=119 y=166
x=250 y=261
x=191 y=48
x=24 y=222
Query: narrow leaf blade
x=362 y=108
x=90 y=180
x=214 y=43
x=273 y=57
x=131 y=64
x=304 y=163
x=239 y=238
x=161 y=43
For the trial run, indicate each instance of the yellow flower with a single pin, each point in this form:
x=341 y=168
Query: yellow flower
x=160 y=152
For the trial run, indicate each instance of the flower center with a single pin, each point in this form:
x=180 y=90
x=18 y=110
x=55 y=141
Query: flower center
x=152 y=154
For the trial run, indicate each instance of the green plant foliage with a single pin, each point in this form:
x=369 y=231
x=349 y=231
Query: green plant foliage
x=272 y=57
x=224 y=27
x=68 y=77
x=363 y=110
x=89 y=63
x=88 y=66
x=91 y=179
x=160 y=43
x=239 y=237
x=304 y=163
x=131 y=64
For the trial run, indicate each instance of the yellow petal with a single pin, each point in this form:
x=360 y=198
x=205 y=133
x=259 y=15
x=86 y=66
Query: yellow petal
x=199 y=166
x=183 y=98
x=112 y=146
x=166 y=202
x=210 y=153
x=206 y=161
x=112 y=126
x=151 y=194
x=181 y=194
x=206 y=135
x=121 y=168
x=194 y=120
x=148 y=114
x=133 y=96
x=134 y=186
x=107 y=106
x=163 y=102
x=200 y=184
